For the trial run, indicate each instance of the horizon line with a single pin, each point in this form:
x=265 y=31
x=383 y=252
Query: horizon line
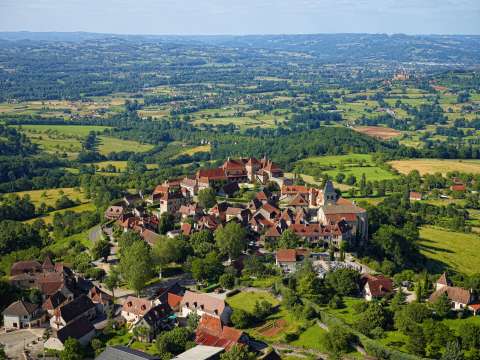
x=233 y=34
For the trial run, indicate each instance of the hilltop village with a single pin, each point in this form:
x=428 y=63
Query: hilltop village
x=263 y=225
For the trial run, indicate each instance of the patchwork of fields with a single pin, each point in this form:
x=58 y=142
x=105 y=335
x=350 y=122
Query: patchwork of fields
x=431 y=166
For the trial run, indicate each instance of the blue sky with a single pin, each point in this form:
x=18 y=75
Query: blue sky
x=242 y=16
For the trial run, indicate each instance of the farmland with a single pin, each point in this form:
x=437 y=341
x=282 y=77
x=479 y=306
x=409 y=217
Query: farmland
x=50 y=196
x=383 y=133
x=431 y=166
x=447 y=249
x=352 y=164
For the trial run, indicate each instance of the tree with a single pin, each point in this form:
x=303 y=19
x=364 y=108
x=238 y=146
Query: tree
x=101 y=249
x=416 y=340
x=207 y=198
x=112 y=281
x=167 y=250
x=453 y=351
x=262 y=309
x=237 y=352
x=470 y=335
x=136 y=265
x=343 y=281
x=192 y=321
x=410 y=315
x=337 y=341
x=241 y=319
x=227 y=280
x=375 y=316
x=208 y=269
x=230 y=239
x=71 y=350
x=288 y=240
x=174 y=341
x=166 y=223
x=202 y=242
x=442 y=306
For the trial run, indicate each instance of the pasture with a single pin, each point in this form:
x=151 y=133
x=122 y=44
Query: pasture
x=50 y=196
x=450 y=249
x=49 y=217
x=431 y=166
x=351 y=164
x=67 y=139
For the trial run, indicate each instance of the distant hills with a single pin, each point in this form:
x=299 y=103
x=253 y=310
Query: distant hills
x=460 y=50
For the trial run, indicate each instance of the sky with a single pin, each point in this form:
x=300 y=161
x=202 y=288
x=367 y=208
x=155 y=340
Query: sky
x=187 y=17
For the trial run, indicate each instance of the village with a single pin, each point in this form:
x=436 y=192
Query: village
x=285 y=226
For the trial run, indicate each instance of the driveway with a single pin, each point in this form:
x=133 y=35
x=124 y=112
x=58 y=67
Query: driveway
x=16 y=340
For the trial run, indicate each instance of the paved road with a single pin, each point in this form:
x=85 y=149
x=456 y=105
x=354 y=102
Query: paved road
x=16 y=340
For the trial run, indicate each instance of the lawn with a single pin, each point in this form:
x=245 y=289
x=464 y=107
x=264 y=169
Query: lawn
x=312 y=338
x=431 y=166
x=446 y=248
x=50 y=196
x=246 y=300
x=276 y=325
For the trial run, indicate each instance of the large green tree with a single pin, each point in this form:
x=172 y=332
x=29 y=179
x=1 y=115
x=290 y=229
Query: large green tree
x=207 y=198
x=230 y=239
x=136 y=265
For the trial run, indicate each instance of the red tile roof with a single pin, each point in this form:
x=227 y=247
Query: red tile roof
x=379 y=285
x=211 y=332
x=137 y=306
x=286 y=255
x=174 y=300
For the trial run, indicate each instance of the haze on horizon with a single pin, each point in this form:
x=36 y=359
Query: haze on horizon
x=188 y=17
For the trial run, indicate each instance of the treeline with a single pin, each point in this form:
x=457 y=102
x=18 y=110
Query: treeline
x=13 y=142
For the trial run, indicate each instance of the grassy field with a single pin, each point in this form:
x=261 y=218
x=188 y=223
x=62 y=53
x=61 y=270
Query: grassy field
x=312 y=338
x=80 y=130
x=67 y=139
x=431 y=166
x=110 y=144
x=119 y=165
x=62 y=244
x=289 y=323
x=196 y=149
x=246 y=300
x=50 y=196
x=49 y=217
x=351 y=164
x=446 y=248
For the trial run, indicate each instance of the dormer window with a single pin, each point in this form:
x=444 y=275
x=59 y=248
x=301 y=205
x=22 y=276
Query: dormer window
x=129 y=304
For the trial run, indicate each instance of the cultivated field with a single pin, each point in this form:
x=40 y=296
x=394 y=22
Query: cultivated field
x=446 y=248
x=431 y=166
x=379 y=132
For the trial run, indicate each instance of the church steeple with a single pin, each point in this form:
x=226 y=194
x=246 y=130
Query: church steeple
x=329 y=193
